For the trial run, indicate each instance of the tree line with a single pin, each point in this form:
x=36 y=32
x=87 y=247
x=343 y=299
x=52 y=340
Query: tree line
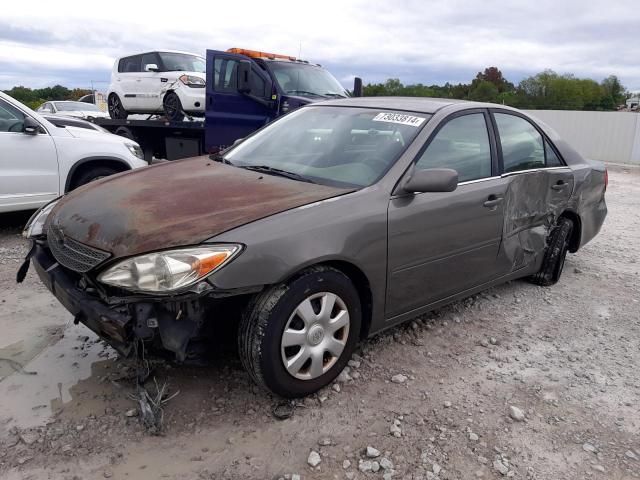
x=547 y=90
x=33 y=98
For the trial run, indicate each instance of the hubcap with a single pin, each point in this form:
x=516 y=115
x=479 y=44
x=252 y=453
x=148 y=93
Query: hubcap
x=315 y=335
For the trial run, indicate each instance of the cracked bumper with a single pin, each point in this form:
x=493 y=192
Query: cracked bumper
x=111 y=325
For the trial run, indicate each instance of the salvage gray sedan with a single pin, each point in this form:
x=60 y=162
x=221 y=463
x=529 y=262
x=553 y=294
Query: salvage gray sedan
x=328 y=225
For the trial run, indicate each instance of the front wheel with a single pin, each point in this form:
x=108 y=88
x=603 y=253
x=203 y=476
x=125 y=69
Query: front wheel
x=91 y=175
x=296 y=338
x=173 y=107
x=554 y=256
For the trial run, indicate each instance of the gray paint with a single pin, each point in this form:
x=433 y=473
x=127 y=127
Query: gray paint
x=420 y=251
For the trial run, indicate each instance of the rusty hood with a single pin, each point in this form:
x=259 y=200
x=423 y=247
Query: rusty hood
x=175 y=204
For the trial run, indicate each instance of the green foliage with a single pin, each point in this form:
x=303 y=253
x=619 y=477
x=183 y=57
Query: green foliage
x=484 y=91
x=546 y=90
x=33 y=98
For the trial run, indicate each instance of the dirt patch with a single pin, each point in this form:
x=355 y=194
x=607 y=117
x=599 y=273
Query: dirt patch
x=567 y=357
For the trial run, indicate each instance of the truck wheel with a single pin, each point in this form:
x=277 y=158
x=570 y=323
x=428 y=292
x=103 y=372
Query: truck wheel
x=295 y=338
x=173 y=107
x=554 y=256
x=116 y=110
x=92 y=174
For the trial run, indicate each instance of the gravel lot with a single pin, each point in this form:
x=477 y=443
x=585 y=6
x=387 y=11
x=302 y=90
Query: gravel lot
x=519 y=381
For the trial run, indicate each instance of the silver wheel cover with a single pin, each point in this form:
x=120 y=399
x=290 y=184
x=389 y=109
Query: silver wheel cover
x=315 y=335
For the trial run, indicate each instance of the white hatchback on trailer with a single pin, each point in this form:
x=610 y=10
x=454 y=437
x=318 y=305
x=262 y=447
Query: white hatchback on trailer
x=158 y=82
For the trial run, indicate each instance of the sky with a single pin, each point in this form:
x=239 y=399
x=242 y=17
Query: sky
x=73 y=43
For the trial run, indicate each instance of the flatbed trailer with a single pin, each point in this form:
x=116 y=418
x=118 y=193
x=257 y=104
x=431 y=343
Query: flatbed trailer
x=245 y=90
x=160 y=138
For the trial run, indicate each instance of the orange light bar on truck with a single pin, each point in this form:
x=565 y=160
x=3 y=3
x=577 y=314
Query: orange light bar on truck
x=258 y=54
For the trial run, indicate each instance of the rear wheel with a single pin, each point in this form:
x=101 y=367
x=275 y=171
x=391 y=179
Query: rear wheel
x=297 y=337
x=554 y=257
x=91 y=175
x=116 y=110
x=173 y=107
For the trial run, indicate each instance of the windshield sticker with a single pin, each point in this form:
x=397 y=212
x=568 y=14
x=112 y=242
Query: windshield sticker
x=399 y=118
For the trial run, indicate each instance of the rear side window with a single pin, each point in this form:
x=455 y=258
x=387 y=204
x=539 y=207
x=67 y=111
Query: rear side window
x=463 y=145
x=129 y=64
x=552 y=157
x=522 y=145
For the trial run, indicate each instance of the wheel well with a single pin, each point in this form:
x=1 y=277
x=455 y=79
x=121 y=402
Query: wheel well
x=574 y=242
x=361 y=282
x=85 y=165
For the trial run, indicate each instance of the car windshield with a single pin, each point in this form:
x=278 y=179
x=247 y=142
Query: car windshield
x=337 y=146
x=306 y=80
x=76 y=107
x=182 y=62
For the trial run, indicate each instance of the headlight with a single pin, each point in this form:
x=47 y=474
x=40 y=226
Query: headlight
x=191 y=81
x=35 y=224
x=170 y=270
x=135 y=149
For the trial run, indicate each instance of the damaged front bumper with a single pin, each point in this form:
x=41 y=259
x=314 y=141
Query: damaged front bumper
x=174 y=326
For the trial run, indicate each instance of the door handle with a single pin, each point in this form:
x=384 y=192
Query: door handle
x=492 y=201
x=561 y=185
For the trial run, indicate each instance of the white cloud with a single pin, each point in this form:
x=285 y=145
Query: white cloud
x=412 y=39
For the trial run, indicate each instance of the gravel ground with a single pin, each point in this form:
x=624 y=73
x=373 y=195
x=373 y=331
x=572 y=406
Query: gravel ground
x=519 y=381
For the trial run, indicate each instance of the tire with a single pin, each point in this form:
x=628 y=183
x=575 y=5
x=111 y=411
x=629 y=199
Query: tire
x=173 y=107
x=116 y=110
x=554 y=256
x=274 y=311
x=92 y=174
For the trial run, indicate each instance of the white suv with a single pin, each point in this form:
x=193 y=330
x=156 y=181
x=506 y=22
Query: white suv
x=156 y=82
x=40 y=161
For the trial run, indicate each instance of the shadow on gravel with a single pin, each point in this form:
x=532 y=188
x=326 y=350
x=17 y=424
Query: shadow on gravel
x=15 y=220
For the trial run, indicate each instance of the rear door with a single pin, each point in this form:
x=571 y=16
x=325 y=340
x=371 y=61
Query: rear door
x=441 y=244
x=230 y=114
x=540 y=186
x=28 y=163
x=128 y=81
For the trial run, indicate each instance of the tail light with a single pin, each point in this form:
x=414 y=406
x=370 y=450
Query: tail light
x=606 y=179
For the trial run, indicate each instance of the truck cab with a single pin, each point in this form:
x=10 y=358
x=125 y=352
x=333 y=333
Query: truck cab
x=246 y=89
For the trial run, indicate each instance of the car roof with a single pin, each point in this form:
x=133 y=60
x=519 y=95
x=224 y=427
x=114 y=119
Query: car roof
x=410 y=104
x=159 y=51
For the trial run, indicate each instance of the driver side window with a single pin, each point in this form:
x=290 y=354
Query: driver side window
x=11 y=119
x=463 y=145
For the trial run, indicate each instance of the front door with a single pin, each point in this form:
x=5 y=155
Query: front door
x=28 y=163
x=230 y=114
x=441 y=244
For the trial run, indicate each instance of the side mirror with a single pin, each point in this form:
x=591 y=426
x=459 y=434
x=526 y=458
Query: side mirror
x=237 y=141
x=244 y=72
x=30 y=126
x=431 y=180
x=357 y=87
x=151 y=67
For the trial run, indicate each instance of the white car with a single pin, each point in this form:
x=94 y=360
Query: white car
x=72 y=109
x=40 y=161
x=166 y=82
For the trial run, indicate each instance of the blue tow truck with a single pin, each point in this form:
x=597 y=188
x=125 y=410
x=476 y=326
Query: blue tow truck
x=245 y=90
